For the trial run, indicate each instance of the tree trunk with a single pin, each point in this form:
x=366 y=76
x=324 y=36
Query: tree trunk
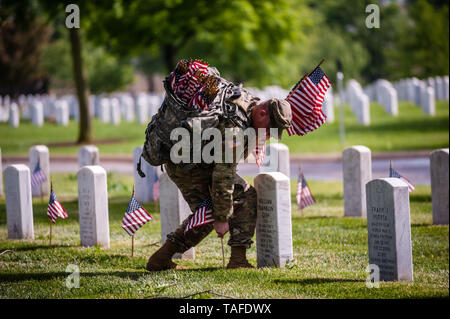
x=85 y=125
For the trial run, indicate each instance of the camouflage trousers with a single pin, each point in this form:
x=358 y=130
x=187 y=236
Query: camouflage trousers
x=194 y=187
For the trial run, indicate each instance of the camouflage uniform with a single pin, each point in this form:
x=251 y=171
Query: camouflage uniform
x=234 y=199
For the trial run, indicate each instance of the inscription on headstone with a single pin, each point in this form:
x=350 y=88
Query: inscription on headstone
x=439 y=186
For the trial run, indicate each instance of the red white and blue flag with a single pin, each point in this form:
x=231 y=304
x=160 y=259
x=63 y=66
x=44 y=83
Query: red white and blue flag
x=135 y=217
x=304 y=196
x=202 y=216
x=306 y=99
x=38 y=177
x=55 y=209
x=394 y=173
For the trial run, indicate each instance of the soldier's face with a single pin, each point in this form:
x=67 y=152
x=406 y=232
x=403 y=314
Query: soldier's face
x=260 y=116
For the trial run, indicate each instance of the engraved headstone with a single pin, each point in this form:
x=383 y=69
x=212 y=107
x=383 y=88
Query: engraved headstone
x=428 y=101
x=273 y=224
x=104 y=112
x=93 y=206
x=389 y=228
x=276 y=159
x=144 y=186
x=88 y=155
x=115 y=110
x=439 y=186
x=142 y=109
x=62 y=112
x=357 y=171
x=40 y=153
x=174 y=210
x=19 y=206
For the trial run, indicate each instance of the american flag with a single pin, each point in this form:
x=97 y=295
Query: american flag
x=198 y=101
x=38 y=176
x=202 y=216
x=304 y=196
x=55 y=208
x=189 y=83
x=135 y=217
x=259 y=152
x=306 y=100
x=393 y=173
x=155 y=186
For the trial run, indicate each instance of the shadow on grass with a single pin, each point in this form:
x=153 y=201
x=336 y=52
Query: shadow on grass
x=32 y=248
x=315 y=281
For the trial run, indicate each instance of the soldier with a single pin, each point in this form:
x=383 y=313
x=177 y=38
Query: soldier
x=233 y=198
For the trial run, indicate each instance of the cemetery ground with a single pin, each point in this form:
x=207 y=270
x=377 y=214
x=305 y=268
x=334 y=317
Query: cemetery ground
x=410 y=130
x=330 y=255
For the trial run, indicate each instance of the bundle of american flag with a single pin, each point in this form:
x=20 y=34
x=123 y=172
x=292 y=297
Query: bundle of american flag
x=135 y=216
x=304 y=196
x=55 y=209
x=202 y=216
x=395 y=174
x=38 y=177
x=306 y=99
x=191 y=83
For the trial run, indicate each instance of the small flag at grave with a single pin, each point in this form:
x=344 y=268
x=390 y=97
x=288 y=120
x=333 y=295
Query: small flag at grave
x=38 y=176
x=394 y=173
x=55 y=209
x=306 y=99
x=202 y=216
x=304 y=196
x=135 y=217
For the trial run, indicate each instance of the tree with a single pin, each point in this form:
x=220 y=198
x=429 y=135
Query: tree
x=23 y=36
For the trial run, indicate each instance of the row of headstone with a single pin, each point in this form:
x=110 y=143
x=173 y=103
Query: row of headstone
x=357 y=172
x=109 y=109
x=384 y=93
x=359 y=102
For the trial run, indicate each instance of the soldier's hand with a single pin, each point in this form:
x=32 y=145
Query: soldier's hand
x=221 y=228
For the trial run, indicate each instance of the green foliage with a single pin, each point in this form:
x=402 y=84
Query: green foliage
x=106 y=72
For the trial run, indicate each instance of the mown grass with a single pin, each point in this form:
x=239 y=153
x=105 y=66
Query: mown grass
x=330 y=255
x=411 y=130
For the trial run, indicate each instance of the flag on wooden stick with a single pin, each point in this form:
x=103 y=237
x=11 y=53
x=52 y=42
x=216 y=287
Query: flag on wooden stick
x=395 y=174
x=135 y=216
x=304 y=196
x=55 y=209
x=202 y=216
x=306 y=99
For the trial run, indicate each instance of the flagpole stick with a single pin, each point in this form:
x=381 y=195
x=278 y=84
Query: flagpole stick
x=132 y=245
x=300 y=180
x=390 y=164
x=50 y=239
x=223 y=254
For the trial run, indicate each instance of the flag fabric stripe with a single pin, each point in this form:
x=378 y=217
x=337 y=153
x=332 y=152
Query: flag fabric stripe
x=55 y=209
x=394 y=173
x=135 y=217
x=306 y=99
x=304 y=196
x=202 y=216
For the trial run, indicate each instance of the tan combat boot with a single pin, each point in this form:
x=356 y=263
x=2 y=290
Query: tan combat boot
x=238 y=258
x=162 y=258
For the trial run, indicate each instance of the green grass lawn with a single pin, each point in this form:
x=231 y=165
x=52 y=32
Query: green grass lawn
x=411 y=130
x=330 y=255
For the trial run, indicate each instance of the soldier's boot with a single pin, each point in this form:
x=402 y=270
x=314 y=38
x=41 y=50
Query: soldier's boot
x=238 y=258
x=162 y=258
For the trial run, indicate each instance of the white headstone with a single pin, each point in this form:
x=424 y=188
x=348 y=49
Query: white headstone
x=438 y=85
x=273 y=224
x=389 y=228
x=62 y=112
x=88 y=155
x=127 y=106
x=428 y=101
x=357 y=171
x=93 y=206
x=115 y=111
x=144 y=186
x=328 y=105
x=439 y=186
x=14 y=115
x=19 y=206
x=446 y=88
x=276 y=159
x=40 y=153
x=174 y=210
x=104 y=111
x=37 y=113
x=142 y=109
